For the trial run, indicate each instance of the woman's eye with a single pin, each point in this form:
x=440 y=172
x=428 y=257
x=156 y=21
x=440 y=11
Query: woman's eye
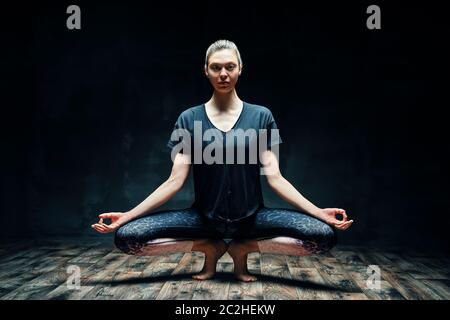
x=218 y=68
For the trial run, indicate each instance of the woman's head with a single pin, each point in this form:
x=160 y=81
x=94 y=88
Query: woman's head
x=223 y=65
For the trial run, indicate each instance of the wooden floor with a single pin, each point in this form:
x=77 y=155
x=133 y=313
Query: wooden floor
x=39 y=270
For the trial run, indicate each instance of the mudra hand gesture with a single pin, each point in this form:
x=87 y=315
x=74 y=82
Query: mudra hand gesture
x=117 y=220
x=329 y=216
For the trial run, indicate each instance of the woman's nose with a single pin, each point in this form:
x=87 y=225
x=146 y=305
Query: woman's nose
x=223 y=73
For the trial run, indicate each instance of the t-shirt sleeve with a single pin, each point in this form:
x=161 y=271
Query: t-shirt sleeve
x=180 y=134
x=273 y=134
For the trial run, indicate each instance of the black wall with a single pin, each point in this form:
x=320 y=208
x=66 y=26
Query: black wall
x=87 y=113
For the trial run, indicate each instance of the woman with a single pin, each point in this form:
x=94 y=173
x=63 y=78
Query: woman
x=228 y=197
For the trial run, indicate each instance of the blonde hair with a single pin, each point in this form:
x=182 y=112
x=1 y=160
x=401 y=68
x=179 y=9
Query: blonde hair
x=220 y=45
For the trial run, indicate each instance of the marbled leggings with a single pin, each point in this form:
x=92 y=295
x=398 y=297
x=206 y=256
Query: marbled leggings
x=277 y=230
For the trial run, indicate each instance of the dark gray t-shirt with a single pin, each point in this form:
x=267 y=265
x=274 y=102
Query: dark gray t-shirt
x=227 y=187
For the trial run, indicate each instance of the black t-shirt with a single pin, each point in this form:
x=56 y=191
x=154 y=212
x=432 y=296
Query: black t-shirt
x=226 y=187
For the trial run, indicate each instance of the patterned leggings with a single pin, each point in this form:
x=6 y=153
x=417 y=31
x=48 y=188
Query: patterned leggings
x=277 y=230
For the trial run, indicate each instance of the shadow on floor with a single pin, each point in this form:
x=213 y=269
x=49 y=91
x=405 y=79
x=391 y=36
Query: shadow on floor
x=228 y=277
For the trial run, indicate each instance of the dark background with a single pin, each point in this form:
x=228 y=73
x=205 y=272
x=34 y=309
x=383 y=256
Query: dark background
x=86 y=114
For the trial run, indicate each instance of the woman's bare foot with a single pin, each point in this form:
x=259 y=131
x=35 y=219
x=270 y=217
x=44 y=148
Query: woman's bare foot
x=213 y=250
x=239 y=250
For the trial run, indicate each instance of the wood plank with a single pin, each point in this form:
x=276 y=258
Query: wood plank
x=14 y=282
x=90 y=275
x=139 y=291
x=14 y=267
x=434 y=264
x=39 y=271
x=36 y=272
x=29 y=292
x=414 y=267
x=225 y=268
x=276 y=272
x=239 y=290
x=52 y=271
x=11 y=249
x=110 y=262
x=314 y=284
x=226 y=258
x=91 y=255
x=385 y=292
x=410 y=288
x=300 y=262
x=101 y=274
x=350 y=258
x=357 y=270
x=63 y=293
x=336 y=277
x=136 y=263
x=117 y=287
x=273 y=260
x=182 y=289
x=373 y=257
x=71 y=251
x=432 y=268
x=215 y=288
x=177 y=290
x=174 y=257
x=253 y=263
x=146 y=285
x=440 y=287
x=211 y=289
x=20 y=258
x=246 y=290
x=151 y=281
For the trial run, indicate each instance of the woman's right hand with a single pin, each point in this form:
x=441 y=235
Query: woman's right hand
x=118 y=219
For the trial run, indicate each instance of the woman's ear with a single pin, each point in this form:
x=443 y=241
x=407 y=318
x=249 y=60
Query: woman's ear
x=205 y=69
x=240 y=69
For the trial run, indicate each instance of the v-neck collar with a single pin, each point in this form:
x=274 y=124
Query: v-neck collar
x=234 y=125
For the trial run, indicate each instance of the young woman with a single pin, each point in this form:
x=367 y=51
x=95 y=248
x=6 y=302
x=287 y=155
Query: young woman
x=228 y=197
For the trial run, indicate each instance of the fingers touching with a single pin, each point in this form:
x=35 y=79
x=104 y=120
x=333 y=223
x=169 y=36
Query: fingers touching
x=105 y=216
x=344 y=214
x=100 y=228
x=344 y=225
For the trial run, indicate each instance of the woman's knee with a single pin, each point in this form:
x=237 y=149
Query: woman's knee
x=121 y=240
x=325 y=240
x=317 y=236
x=127 y=242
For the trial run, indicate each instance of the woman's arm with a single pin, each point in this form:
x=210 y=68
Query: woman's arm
x=287 y=192
x=176 y=180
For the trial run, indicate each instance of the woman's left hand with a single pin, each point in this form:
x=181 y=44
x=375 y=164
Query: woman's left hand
x=329 y=216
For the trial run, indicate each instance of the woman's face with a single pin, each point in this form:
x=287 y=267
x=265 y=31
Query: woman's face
x=223 y=70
